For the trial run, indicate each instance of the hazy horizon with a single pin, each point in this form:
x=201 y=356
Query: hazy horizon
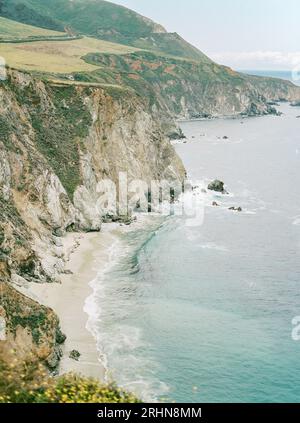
x=257 y=35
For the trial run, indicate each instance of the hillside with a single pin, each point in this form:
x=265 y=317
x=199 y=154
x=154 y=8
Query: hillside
x=188 y=89
x=58 y=56
x=176 y=79
x=100 y=19
x=14 y=31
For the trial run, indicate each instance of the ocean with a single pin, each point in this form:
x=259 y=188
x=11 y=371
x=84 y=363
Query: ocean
x=204 y=313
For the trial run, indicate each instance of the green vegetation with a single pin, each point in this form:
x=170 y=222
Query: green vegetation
x=28 y=382
x=59 y=134
x=103 y=20
x=170 y=44
x=35 y=322
x=8 y=212
x=5 y=132
x=26 y=13
x=59 y=131
x=158 y=78
x=61 y=57
x=12 y=31
x=85 y=16
x=26 y=314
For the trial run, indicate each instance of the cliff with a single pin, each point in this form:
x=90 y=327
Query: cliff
x=77 y=109
x=57 y=142
x=178 y=80
x=187 y=89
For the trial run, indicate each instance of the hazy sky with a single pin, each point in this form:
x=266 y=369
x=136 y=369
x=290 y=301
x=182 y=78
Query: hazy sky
x=245 y=34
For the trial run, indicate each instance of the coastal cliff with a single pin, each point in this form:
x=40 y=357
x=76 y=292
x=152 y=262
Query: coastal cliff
x=57 y=142
x=77 y=109
x=187 y=89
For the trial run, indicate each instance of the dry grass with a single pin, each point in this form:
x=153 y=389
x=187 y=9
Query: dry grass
x=11 y=30
x=58 y=56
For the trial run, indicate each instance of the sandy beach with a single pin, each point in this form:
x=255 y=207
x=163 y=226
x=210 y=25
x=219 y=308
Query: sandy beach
x=85 y=255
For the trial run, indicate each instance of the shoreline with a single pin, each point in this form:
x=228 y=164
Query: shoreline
x=88 y=256
x=85 y=256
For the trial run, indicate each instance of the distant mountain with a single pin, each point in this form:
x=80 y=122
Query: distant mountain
x=100 y=19
x=168 y=72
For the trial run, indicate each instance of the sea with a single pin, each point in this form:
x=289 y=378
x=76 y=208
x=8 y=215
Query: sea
x=206 y=312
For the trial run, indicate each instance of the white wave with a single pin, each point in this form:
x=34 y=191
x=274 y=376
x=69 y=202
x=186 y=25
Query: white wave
x=121 y=346
x=213 y=246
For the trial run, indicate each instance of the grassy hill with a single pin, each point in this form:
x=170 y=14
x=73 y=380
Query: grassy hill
x=58 y=56
x=83 y=15
x=118 y=47
x=12 y=31
x=100 y=19
x=25 y=12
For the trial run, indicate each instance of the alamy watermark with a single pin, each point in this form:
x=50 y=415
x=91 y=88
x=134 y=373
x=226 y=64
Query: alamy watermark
x=157 y=196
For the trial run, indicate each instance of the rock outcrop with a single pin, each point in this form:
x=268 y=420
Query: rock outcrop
x=217 y=186
x=184 y=89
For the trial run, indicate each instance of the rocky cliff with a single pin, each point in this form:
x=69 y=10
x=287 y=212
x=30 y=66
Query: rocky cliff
x=176 y=78
x=57 y=142
x=63 y=133
x=188 y=89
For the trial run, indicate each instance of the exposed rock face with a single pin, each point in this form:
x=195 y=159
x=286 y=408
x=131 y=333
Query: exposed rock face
x=193 y=89
x=30 y=328
x=57 y=142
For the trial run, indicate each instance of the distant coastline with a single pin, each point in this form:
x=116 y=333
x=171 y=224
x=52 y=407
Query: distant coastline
x=283 y=74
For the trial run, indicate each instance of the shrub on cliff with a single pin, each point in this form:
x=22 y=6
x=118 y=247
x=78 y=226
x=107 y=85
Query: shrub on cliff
x=29 y=382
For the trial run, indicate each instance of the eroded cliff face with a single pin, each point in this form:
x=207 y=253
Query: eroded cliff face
x=188 y=89
x=57 y=142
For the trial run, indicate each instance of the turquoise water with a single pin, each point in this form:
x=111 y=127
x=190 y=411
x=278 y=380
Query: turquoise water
x=204 y=313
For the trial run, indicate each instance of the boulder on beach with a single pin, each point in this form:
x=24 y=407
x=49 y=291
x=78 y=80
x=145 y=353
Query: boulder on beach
x=215 y=204
x=217 y=186
x=75 y=355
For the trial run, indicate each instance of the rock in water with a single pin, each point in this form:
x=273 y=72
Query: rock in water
x=217 y=186
x=237 y=209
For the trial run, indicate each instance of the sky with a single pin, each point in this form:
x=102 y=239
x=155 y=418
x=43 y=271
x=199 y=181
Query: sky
x=243 y=34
